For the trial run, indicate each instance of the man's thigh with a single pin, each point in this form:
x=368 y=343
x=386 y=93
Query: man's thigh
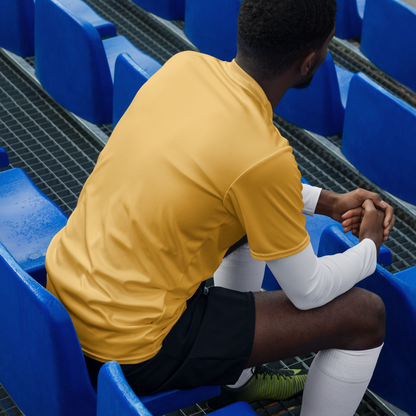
x=354 y=320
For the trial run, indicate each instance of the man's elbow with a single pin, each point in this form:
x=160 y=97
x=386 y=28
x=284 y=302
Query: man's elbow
x=304 y=304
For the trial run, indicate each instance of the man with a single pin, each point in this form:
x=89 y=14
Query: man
x=194 y=165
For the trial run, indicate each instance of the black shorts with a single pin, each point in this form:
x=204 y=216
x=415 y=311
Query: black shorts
x=209 y=345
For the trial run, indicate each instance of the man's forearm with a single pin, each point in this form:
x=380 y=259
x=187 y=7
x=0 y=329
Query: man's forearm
x=326 y=203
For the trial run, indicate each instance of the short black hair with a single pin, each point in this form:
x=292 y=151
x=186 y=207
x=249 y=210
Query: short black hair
x=273 y=34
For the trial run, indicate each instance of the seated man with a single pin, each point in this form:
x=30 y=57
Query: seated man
x=193 y=166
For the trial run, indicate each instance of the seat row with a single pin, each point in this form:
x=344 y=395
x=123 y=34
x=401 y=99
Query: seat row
x=75 y=54
x=96 y=79
x=41 y=361
x=387 y=29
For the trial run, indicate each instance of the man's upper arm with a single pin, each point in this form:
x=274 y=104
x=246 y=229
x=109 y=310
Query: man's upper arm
x=267 y=200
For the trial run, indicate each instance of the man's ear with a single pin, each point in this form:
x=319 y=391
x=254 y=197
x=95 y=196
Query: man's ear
x=306 y=63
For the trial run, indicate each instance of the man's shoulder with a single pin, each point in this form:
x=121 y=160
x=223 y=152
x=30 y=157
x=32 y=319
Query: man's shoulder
x=191 y=58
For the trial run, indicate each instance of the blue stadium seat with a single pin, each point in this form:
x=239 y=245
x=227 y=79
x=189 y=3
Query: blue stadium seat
x=393 y=378
x=17 y=18
x=349 y=19
x=73 y=63
x=319 y=108
x=378 y=137
x=168 y=9
x=212 y=26
x=388 y=38
x=315 y=226
x=128 y=79
x=115 y=397
x=17 y=21
x=41 y=363
x=28 y=221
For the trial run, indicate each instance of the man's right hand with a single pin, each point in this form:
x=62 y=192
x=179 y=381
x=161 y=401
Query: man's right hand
x=372 y=224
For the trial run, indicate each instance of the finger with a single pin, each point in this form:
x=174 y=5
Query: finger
x=352 y=221
x=368 y=205
x=353 y=229
x=389 y=217
x=356 y=212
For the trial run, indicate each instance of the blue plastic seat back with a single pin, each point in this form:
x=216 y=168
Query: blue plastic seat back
x=28 y=221
x=212 y=26
x=71 y=62
x=320 y=107
x=17 y=19
x=349 y=18
x=41 y=363
x=393 y=378
x=115 y=397
x=388 y=38
x=168 y=9
x=378 y=137
x=128 y=79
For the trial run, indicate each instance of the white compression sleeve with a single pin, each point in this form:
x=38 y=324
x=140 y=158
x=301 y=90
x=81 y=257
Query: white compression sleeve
x=310 y=196
x=240 y=271
x=310 y=282
x=337 y=381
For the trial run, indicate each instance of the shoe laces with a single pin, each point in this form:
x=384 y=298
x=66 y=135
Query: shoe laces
x=263 y=370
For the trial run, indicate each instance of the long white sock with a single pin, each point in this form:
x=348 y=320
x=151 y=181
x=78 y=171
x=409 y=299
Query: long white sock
x=337 y=382
x=239 y=271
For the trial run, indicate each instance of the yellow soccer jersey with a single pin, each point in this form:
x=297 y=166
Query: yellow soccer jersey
x=193 y=165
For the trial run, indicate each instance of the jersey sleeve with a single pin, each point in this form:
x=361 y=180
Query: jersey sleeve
x=267 y=200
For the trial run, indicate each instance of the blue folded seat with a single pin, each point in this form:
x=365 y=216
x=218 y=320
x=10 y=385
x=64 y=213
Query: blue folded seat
x=28 y=220
x=76 y=66
x=349 y=19
x=168 y=9
x=388 y=39
x=320 y=107
x=378 y=137
x=115 y=397
x=393 y=378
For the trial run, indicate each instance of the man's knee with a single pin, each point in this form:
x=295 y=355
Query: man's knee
x=371 y=316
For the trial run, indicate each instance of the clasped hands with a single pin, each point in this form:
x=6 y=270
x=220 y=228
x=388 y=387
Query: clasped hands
x=362 y=212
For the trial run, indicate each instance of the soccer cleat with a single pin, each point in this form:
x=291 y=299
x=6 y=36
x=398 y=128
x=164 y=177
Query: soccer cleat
x=266 y=384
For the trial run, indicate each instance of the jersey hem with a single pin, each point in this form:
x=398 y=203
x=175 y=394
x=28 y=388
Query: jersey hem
x=282 y=254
